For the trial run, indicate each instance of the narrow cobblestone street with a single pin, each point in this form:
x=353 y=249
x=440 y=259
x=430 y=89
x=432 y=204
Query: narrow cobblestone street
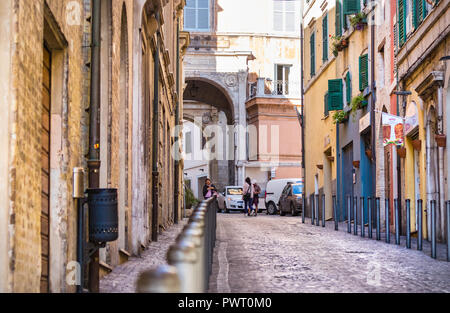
x=273 y=254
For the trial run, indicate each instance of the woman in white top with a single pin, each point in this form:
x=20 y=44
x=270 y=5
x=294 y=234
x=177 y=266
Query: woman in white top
x=247 y=196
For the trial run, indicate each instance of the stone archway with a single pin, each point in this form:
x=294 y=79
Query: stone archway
x=209 y=105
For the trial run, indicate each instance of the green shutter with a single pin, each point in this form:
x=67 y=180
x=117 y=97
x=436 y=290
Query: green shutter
x=325 y=38
x=351 y=7
x=363 y=72
x=313 y=54
x=415 y=13
x=348 y=85
x=419 y=12
x=338 y=18
x=335 y=99
x=401 y=22
x=325 y=108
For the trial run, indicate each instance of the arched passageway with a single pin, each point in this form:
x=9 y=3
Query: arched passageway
x=209 y=134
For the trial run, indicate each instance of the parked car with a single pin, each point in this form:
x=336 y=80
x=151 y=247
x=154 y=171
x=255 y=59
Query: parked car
x=291 y=199
x=274 y=189
x=231 y=199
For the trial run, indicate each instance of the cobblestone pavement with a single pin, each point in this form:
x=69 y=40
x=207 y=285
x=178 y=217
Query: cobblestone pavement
x=123 y=278
x=268 y=254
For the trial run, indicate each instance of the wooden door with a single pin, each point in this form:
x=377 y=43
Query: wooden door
x=45 y=169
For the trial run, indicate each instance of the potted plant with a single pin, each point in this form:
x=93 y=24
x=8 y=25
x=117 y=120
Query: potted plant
x=338 y=44
x=359 y=21
x=417 y=144
x=357 y=103
x=339 y=117
x=401 y=151
x=440 y=140
x=191 y=201
x=369 y=153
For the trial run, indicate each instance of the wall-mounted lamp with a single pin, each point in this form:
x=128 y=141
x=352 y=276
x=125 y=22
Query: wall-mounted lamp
x=193 y=90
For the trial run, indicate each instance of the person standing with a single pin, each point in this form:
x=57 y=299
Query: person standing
x=247 y=195
x=256 y=192
x=208 y=189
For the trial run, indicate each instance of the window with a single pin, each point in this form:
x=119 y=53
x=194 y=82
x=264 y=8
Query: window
x=363 y=72
x=408 y=17
x=196 y=15
x=338 y=18
x=326 y=112
x=284 y=15
x=325 y=38
x=188 y=142
x=348 y=88
x=312 y=43
x=281 y=84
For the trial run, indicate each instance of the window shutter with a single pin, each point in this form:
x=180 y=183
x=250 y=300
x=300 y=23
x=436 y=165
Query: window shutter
x=401 y=23
x=335 y=99
x=325 y=37
x=325 y=100
x=348 y=85
x=313 y=54
x=415 y=13
x=363 y=72
x=338 y=18
x=351 y=7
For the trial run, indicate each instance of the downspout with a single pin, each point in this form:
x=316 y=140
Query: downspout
x=94 y=128
x=398 y=114
x=372 y=107
x=155 y=139
x=441 y=200
x=177 y=123
x=302 y=101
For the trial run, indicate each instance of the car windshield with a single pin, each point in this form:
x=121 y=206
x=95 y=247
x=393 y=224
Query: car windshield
x=234 y=191
x=297 y=189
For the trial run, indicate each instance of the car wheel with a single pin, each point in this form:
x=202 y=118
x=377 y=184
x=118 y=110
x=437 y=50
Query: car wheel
x=271 y=209
x=293 y=210
x=282 y=213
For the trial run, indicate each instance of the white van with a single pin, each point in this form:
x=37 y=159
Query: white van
x=273 y=192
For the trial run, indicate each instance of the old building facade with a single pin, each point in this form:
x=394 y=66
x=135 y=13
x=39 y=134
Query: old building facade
x=46 y=48
x=245 y=75
x=422 y=69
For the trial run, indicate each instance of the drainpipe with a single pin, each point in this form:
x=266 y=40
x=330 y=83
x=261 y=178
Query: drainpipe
x=155 y=141
x=302 y=102
x=177 y=122
x=372 y=107
x=94 y=128
x=431 y=187
x=441 y=200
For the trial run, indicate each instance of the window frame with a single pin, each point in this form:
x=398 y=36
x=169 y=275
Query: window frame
x=196 y=9
x=286 y=83
x=284 y=13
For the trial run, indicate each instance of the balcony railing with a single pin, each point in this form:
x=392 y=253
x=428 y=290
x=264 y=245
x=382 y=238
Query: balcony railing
x=265 y=87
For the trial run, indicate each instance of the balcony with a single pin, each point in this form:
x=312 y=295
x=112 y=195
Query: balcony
x=265 y=87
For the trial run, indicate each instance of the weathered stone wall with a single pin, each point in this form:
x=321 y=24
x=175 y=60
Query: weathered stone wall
x=25 y=141
x=68 y=38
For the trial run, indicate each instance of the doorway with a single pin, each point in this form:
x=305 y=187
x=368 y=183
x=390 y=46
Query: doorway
x=347 y=176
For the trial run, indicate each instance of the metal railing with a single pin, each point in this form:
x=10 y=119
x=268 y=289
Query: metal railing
x=189 y=259
x=356 y=216
x=266 y=87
